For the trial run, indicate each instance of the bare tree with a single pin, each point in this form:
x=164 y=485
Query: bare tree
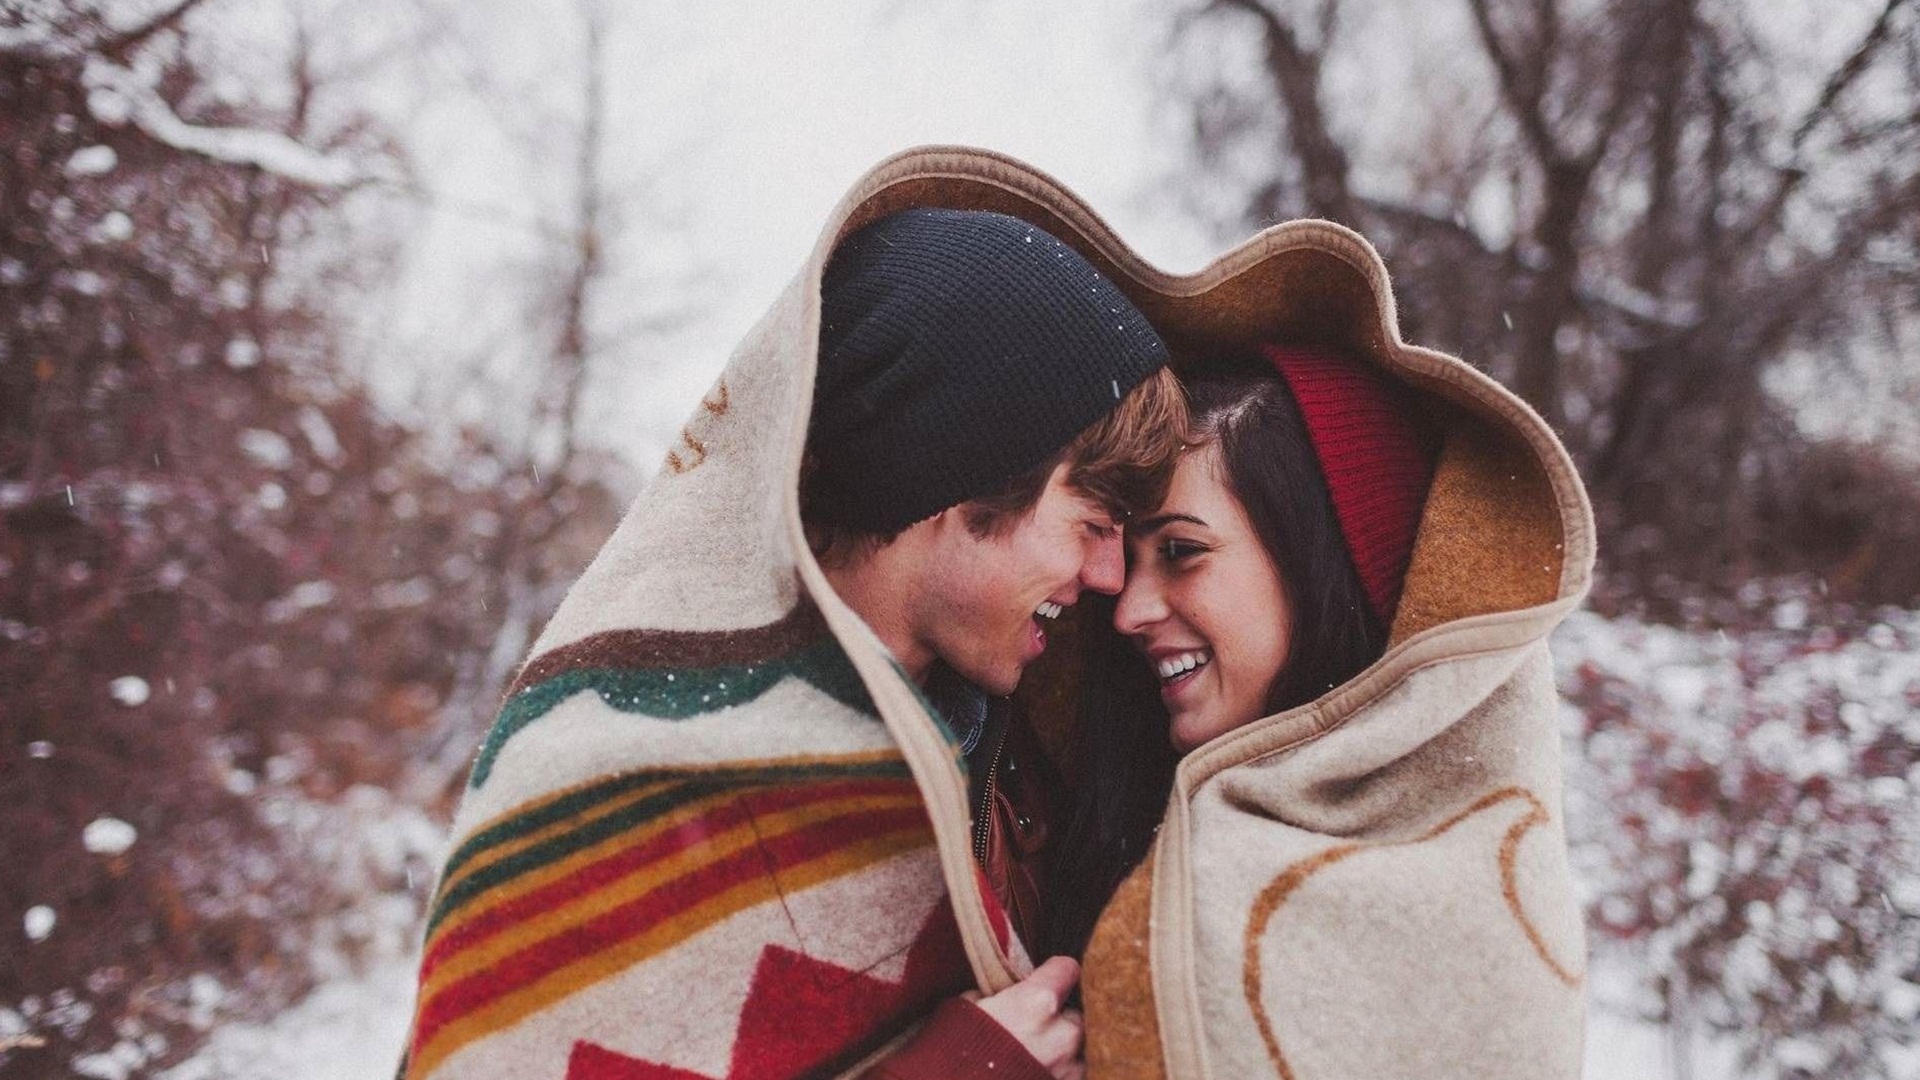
x=229 y=581
x=1689 y=210
x=533 y=573
x=1684 y=223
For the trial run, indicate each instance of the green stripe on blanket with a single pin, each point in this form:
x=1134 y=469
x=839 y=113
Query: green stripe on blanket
x=676 y=694
x=679 y=787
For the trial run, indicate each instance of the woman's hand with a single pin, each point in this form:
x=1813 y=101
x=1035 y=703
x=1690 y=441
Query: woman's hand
x=1031 y=1012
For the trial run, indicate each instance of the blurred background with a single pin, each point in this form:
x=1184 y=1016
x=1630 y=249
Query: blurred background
x=336 y=334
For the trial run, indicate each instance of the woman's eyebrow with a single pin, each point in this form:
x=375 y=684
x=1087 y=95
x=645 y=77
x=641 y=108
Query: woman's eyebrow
x=1155 y=524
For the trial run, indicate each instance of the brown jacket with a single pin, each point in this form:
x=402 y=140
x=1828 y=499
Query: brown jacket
x=1011 y=825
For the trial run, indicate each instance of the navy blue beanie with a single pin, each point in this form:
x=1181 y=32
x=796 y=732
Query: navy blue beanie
x=959 y=349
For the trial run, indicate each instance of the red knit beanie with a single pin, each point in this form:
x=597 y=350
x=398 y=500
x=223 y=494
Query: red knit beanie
x=1377 y=461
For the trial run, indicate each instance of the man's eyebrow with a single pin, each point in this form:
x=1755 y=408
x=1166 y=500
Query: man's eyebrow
x=1155 y=524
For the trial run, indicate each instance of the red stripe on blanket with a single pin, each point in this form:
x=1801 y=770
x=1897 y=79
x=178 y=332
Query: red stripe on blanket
x=544 y=957
x=649 y=850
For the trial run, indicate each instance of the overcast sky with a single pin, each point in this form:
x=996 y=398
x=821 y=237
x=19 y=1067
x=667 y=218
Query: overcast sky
x=735 y=126
x=734 y=129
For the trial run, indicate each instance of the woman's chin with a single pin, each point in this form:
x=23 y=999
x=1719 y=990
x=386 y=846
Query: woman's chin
x=1192 y=729
x=1202 y=719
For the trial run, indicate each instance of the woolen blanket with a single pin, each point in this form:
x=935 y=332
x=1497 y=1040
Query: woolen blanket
x=715 y=832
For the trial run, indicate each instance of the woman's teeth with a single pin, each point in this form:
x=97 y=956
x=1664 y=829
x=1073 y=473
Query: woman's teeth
x=1174 y=666
x=1049 y=610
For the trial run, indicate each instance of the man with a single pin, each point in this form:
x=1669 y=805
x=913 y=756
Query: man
x=989 y=410
x=691 y=844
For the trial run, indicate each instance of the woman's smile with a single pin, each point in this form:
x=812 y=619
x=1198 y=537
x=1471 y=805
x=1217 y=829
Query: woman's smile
x=1179 y=670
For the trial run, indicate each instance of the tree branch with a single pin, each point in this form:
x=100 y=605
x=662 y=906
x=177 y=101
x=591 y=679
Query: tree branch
x=1295 y=72
x=1849 y=70
x=1523 y=91
x=267 y=150
x=1792 y=174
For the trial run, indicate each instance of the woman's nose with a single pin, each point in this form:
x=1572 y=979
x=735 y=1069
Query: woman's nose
x=1140 y=605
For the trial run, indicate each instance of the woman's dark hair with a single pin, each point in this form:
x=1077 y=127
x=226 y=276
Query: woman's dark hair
x=1123 y=758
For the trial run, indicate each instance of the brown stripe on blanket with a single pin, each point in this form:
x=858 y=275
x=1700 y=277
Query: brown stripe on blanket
x=1123 y=1024
x=647 y=649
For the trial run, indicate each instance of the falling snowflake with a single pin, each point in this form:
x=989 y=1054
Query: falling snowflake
x=130 y=690
x=108 y=836
x=92 y=161
x=39 y=922
x=242 y=353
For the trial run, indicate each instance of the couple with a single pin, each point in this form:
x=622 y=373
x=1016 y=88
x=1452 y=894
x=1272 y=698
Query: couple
x=996 y=437
x=1286 y=778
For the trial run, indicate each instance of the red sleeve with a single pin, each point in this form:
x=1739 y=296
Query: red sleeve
x=959 y=1042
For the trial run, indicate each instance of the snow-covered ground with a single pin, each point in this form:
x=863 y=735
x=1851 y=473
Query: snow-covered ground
x=354 y=1024
x=349 y=1029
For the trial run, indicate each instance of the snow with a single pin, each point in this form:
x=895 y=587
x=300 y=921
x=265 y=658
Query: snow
x=118 y=95
x=1674 y=737
x=242 y=353
x=354 y=1024
x=31 y=36
x=39 y=922
x=130 y=690
x=349 y=1029
x=92 y=161
x=268 y=448
x=118 y=1062
x=319 y=433
x=310 y=594
x=108 y=836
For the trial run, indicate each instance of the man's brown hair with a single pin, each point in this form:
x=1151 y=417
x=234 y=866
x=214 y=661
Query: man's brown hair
x=1123 y=462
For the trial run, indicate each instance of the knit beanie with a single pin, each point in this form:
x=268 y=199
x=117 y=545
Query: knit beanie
x=958 y=350
x=1377 y=460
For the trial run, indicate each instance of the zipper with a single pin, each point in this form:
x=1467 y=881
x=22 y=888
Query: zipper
x=983 y=820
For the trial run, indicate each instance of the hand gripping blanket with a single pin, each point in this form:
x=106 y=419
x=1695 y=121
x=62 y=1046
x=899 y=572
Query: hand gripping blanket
x=714 y=832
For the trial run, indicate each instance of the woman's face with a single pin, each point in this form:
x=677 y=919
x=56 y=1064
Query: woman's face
x=1204 y=604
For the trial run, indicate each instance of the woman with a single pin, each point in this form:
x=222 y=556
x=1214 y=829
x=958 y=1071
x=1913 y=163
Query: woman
x=1254 y=588
x=1316 y=833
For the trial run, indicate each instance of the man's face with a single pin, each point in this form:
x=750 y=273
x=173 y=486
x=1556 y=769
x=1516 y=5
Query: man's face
x=985 y=602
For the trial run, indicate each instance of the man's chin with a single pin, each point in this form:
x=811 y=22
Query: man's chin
x=1003 y=689
x=997 y=680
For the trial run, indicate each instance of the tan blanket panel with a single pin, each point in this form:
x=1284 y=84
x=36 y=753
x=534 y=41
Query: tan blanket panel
x=1490 y=537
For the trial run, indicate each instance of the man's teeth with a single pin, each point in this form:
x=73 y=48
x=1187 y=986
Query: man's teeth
x=1049 y=610
x=1175 y=665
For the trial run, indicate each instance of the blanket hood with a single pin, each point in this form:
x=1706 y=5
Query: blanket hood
x=709 y=777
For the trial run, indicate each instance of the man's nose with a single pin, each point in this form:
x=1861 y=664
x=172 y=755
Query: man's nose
x=1105 y=568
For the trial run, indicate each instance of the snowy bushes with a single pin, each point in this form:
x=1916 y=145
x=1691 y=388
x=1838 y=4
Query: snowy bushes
x=1743 y=804
x=232 y=592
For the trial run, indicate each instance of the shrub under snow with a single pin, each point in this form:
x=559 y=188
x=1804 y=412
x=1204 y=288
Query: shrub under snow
x=1743 y=817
